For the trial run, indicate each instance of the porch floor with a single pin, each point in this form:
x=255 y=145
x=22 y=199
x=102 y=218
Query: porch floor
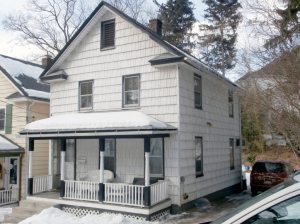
x=54 y=198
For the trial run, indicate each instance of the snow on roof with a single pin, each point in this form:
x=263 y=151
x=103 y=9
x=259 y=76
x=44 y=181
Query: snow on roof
x=6 y=145
x=25 y=75
x=118 y=120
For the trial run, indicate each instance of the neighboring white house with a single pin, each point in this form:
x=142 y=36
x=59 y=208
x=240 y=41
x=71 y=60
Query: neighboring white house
x=139 y=125
x=23 y=99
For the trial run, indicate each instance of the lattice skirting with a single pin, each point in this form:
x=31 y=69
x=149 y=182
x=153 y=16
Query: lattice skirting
x=82 y=211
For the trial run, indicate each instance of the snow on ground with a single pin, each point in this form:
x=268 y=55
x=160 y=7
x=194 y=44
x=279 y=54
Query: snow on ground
x=4 y=211
x=54 y=215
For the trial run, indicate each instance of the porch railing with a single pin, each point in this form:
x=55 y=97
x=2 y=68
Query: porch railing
x=9 y=196
x=126 y=194
x=81 y=190
x=159 y=192
x=42 y=184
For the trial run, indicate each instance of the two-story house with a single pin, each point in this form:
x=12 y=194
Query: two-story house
x=140 y=126
x=23 y=99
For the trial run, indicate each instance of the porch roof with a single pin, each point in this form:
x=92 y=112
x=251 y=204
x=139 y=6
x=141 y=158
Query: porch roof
x=8 y=146
x=97 y=124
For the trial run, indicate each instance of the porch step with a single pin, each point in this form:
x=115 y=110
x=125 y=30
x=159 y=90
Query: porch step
x=26 y=209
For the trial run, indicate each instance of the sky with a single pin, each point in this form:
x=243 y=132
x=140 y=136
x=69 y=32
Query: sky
x=12 y=45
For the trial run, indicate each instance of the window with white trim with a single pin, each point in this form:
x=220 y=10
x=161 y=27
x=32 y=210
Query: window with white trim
x=131 y=90
x=2 y=119
x=110 y=155
x=230 y=102
x=231 y=153
x=199 y=156
x=198 y=91
x=156 y=157
x=85 y=95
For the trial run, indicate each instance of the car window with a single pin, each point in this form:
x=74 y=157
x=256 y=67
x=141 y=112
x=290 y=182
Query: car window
x=275 y=167
x=284 y=212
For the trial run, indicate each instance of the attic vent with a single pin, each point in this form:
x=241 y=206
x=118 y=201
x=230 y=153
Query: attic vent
x=108 y=34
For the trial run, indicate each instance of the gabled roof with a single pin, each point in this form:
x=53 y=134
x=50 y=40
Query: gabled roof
x=24 y=76
x=178 y=54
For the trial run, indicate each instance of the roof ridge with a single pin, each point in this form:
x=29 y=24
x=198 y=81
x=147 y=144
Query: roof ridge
x=22 y=61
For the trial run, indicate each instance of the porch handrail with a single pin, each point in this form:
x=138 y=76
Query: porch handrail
x=81 y=190
x=126 y=194
x=159 y=192
x=9 y=196
x=42 y=183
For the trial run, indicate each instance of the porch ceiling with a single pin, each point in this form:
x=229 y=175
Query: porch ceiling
x=94 y=124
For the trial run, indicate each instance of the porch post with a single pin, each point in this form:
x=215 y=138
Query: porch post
x=62 y=167
x=30 y=178
x=147 y=190
x=101 y=184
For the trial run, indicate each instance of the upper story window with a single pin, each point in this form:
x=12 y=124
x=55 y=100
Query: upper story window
x=230 y=102
x=86 y=95
x=199 y=156
x=2 y=119
x=108 y=34
x=131 y=90
x=198 y=91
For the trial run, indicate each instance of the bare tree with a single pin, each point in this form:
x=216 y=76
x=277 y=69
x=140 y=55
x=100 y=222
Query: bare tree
x=49 y=24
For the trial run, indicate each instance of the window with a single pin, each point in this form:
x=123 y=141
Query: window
x=2 y=119
x=156 y=157
x=70 y=159
x=107 y=34
x=284 y=212
x=231 y=144
x=230 y=102
x=198 y=91
x=131 y=90
x=110 y=155
x=86 y=95
x=199 y=156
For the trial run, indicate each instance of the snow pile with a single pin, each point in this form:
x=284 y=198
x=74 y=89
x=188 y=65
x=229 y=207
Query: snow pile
x=6 y=145
x=3 y=212
x=54 y=215
x=97 y=121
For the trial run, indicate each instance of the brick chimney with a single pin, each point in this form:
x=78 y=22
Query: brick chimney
x=46 y=60
x=156 y=26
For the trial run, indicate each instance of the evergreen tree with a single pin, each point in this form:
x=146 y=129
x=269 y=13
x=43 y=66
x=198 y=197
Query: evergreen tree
x=178 y=18
x=219 y=34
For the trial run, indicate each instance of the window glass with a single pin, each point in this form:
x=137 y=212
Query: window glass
x=198 y=91
x=199 y=156
x=86 y=94
x=70 y=158
x=284 y=212
x=2 y=119
x=107 y=34
x=110 y=154
x=156 y=157
x=131 y=90
x=231 y=144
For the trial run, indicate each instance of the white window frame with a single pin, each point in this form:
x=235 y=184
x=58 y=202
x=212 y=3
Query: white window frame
x=198 y=106
x=80 y=96
x=199 y=173
x=158 y=156
x=124 y=92
x=4 y=120
x=231 y=153
x=230 y=103
x=103 y=23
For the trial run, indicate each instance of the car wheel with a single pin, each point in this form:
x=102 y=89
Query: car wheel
x=254 y=192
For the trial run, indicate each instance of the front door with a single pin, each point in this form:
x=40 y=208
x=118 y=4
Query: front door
x=12 y=172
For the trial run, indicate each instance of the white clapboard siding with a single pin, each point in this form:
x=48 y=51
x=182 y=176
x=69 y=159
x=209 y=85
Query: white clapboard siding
x=194 y=122
x=9 y=196
x=159 y=192
x=81 y=190
x=42 y=183
x=125 y=194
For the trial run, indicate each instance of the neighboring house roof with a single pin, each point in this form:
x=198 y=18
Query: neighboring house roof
x=24 y=76
x=105 y=122
x=8 y=146
x=177 y=55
